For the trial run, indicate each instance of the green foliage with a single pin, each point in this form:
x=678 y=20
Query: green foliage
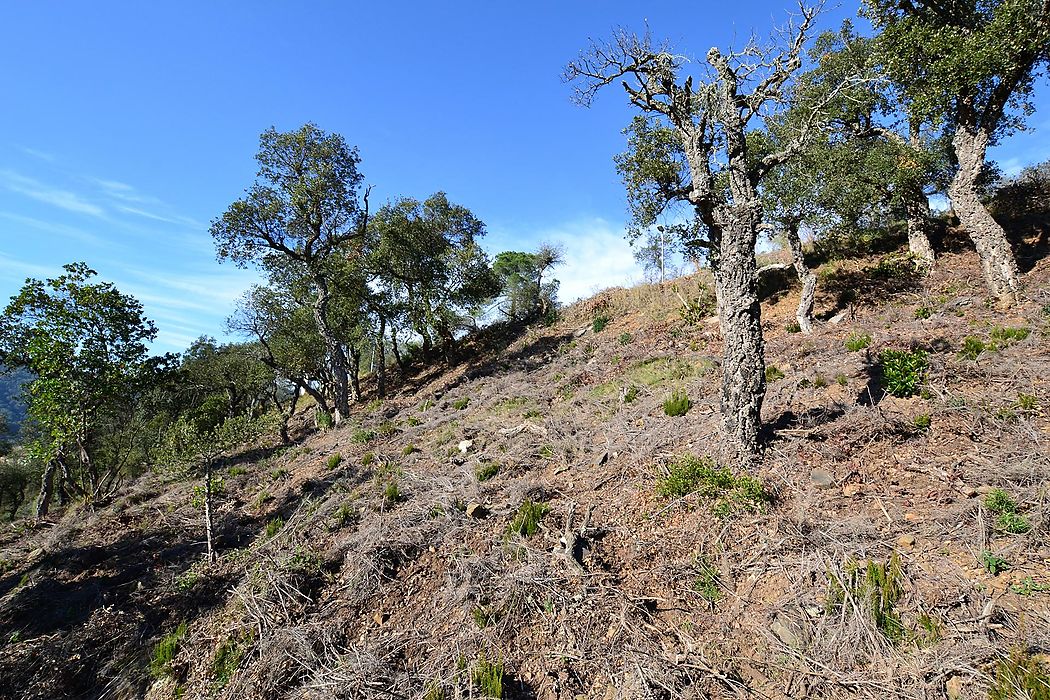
x=485 y=615
x=972 y=347
x=334 y=460
x=200 y=491
x=903 y=371
x=706 y=581
x=486 y=470
x=84 y=345
x=630 y=395
x=1008 y=518
x=678 y=404
x=793 y=327
x=227 y=659
x=526 y=521
x=993 y=563
x=1020 y=675
x=345 y=515
x=488 y=677
x=1028 y=586
x=408 y=449
x=1004 y=336
x=660 y=370
x=273 y=526
x=368 y=458
x=857 y=341
x=526 y=295
x=922 y=421
x=362 y=436
x=1026 y=403
x=165 y=650
x=689 y=474
x=1013 y=523
x=460 y=404
x=599 y=323
x=391 y=493
x=696 y=310
x=324 y=419
x=773 y=373
x=923 y=312
x=874 y=587
x=435 y=692
x=998 y=501
x=841 y=379
x=626 y=338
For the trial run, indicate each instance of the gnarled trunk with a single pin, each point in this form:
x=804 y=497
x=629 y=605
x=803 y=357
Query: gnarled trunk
x=997 y=259
x=47 y=489
x=917 y=209
x=334 y=351
x=806 y=278
x=743 y=363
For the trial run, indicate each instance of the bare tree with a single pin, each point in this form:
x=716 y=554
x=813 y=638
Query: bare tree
x=710 y=119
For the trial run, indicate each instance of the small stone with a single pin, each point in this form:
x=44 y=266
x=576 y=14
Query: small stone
x=602 y=459
x=911 y=517
x=465 y=445
x=953 y=687
x=381 y=617
x=851 y=490
x=785 y=631
x=821 y=479
x=476 y=510
x=906 y=541
x=391 y=411
x=985 y=489
x=837 y=318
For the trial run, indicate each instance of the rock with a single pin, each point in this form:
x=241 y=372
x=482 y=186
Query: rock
x=465 y=445
x=906 y=541
x=851 y=490
x=821 y=479
x=381 y=617
x=953 y=687
x=580 y=331
x=602 y=459
x=838 y=318
x=476 y=510
x=985 y=490
x=391 y=411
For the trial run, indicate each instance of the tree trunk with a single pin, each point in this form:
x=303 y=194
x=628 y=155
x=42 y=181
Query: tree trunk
x=380 y=354
x=806 y=277
x=397 y=350
x=917 y=207
x=355 y=374
x=743 y=364
x=335 y=352
x=208 y=511
x=47 y=489
x=997 y=259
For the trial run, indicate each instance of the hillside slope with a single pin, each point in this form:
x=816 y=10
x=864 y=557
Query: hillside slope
x=873 y=562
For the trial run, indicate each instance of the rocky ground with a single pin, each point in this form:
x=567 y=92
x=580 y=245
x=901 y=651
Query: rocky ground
x=530 y=521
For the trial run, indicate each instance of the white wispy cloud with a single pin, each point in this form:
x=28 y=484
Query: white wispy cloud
x=63 y=199
x=36 y=153
x=53 y=228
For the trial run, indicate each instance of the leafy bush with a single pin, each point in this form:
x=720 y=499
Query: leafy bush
x=334 y=460
x=922 y=421
x=486 y=470
x=625 y=339
x=526 y=521
x=678 y=404
x=165 y=650
x=993 y=563
x=1013 y=523
x=857 y=341
x=793 y=327
x=706 y=581
x=599 y=323
x=903 y=371
x=999 y=501
x=923 y=312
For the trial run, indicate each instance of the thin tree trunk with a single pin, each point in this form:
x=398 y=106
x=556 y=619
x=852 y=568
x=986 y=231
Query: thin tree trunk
x=743 y=363
x=380 y=354
x=806 y=277
x=334 y=350
x=47 y=489
x=355 y=374
x=917 y=207
x=208 y=510
x=397 y=350
x=997 y=259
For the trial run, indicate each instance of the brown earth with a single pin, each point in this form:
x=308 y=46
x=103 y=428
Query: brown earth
x=364 y=593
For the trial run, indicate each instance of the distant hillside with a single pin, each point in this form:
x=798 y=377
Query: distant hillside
x=11 y=405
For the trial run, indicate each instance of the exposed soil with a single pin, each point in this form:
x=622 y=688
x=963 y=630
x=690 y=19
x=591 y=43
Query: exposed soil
x=621 y=592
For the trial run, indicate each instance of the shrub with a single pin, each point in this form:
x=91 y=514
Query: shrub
x=999 y=501
x=773 y=373
x=237 y=471
x=972 y=347
x=706 y=581
x=903 y=371
x=630 y=394
x=841 y=379
x=164 y=652
x=487 y=677
x=678 y=404
x=857 y=341
x=486 y=470
x=1005 y=336
x=793 y=327
x=386 y=428
x=599 y=323
x=527 y=520
x=274 y=526
x=361 y=436
x=1026 y=403
x=874 y=586
x=324 y=420
x=334 y=460
x=625 y=339
x=820 y=381
x=922 y=421
x=413 y=421
x=923 y=312
x=689 y=474
x=460 y=404
x=1013 y=523
x=391 y=493
x=345 y=515
x=993 y=563
x=368 y=458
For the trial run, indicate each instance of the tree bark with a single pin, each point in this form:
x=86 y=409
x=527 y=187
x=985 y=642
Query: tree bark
x=743 y=363
x=47 y=489
x=397 y=350
x=334 y=351
x=997 y=259
x=355 y=374
x=380 y=355
x=917 y=208
x=807 y=279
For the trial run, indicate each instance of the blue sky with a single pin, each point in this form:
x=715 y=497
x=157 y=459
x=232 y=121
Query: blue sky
x=128 y=127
